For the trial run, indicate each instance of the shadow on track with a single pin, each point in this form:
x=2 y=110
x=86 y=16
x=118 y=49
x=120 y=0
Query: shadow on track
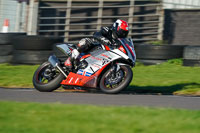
x=164 y=90
x=144 y=90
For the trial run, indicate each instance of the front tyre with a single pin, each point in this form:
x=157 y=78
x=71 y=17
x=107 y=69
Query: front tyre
x=113 y=82
x=46 y=78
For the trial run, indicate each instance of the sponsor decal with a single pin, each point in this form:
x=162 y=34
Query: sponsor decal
x=97 y=66
x=80 y=72
x=76 y=80
x=105 y=61
x=71 y=80
x=84 y=73
x=106 y=56
x=96 y=58
x=88 y=74
x=121 y=48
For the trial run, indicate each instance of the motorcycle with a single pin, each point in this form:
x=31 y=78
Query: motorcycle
x=101 y=67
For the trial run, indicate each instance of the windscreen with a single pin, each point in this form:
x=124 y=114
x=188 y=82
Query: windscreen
x=127 y=41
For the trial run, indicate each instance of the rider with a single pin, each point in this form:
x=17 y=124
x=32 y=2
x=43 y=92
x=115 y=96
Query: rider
x=107 y=35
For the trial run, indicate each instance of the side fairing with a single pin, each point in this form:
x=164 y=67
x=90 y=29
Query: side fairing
x=97 y=60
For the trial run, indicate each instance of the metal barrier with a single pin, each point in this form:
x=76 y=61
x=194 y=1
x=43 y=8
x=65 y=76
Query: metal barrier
x=75 y=19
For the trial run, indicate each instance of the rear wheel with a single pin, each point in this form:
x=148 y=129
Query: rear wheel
x=113 y=82
x=47 y=78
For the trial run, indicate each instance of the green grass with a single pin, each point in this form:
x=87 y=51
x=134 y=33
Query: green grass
x=166 y=78
x=16 y=76
x=18 y=117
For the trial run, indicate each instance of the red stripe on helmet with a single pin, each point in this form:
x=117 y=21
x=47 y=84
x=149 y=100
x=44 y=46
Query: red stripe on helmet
x=124 y=25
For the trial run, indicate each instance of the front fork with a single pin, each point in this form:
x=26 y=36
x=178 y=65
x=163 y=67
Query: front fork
x=115 y=69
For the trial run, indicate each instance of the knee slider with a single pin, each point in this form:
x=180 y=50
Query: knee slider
x=84 y=44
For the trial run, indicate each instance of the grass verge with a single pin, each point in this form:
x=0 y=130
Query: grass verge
x=16 y=76
x=16 y=117
x=166 y=78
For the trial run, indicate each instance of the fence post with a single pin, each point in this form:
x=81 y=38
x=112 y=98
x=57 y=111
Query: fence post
x=33 y=17
x=130 y=19
x=18 y=16
x=100 y=13
x=161 y=22
x=67 y=21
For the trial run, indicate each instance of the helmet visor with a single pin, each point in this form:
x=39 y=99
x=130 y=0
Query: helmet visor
x=122 y=33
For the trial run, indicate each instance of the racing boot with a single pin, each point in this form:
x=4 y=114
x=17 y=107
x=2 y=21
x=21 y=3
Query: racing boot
x=72 y=59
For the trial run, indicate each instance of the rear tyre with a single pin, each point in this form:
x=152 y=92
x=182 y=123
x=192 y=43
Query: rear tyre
x=46 y=78
x=112 y=84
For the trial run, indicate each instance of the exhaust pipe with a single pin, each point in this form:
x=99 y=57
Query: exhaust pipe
x=55 y=63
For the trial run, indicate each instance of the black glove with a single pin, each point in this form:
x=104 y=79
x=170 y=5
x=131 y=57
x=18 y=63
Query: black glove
x=116 y=43
x=105 y=41
x=88 y=41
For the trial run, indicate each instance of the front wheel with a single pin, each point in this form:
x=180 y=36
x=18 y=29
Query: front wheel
x=113 y=82
x=47 y=78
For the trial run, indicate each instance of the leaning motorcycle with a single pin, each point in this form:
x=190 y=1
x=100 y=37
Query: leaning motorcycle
x=102 y=67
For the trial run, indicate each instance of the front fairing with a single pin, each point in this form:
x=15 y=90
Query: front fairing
x=127 y=43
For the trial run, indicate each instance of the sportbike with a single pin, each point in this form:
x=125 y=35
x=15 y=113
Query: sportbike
x=102 y=67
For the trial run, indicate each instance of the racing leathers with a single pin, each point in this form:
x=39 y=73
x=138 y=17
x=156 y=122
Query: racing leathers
x=104 y=36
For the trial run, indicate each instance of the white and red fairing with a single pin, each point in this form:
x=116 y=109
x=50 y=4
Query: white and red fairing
x=98 y=61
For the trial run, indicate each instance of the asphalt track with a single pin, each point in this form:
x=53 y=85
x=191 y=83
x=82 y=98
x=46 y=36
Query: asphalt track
x=169 y=101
